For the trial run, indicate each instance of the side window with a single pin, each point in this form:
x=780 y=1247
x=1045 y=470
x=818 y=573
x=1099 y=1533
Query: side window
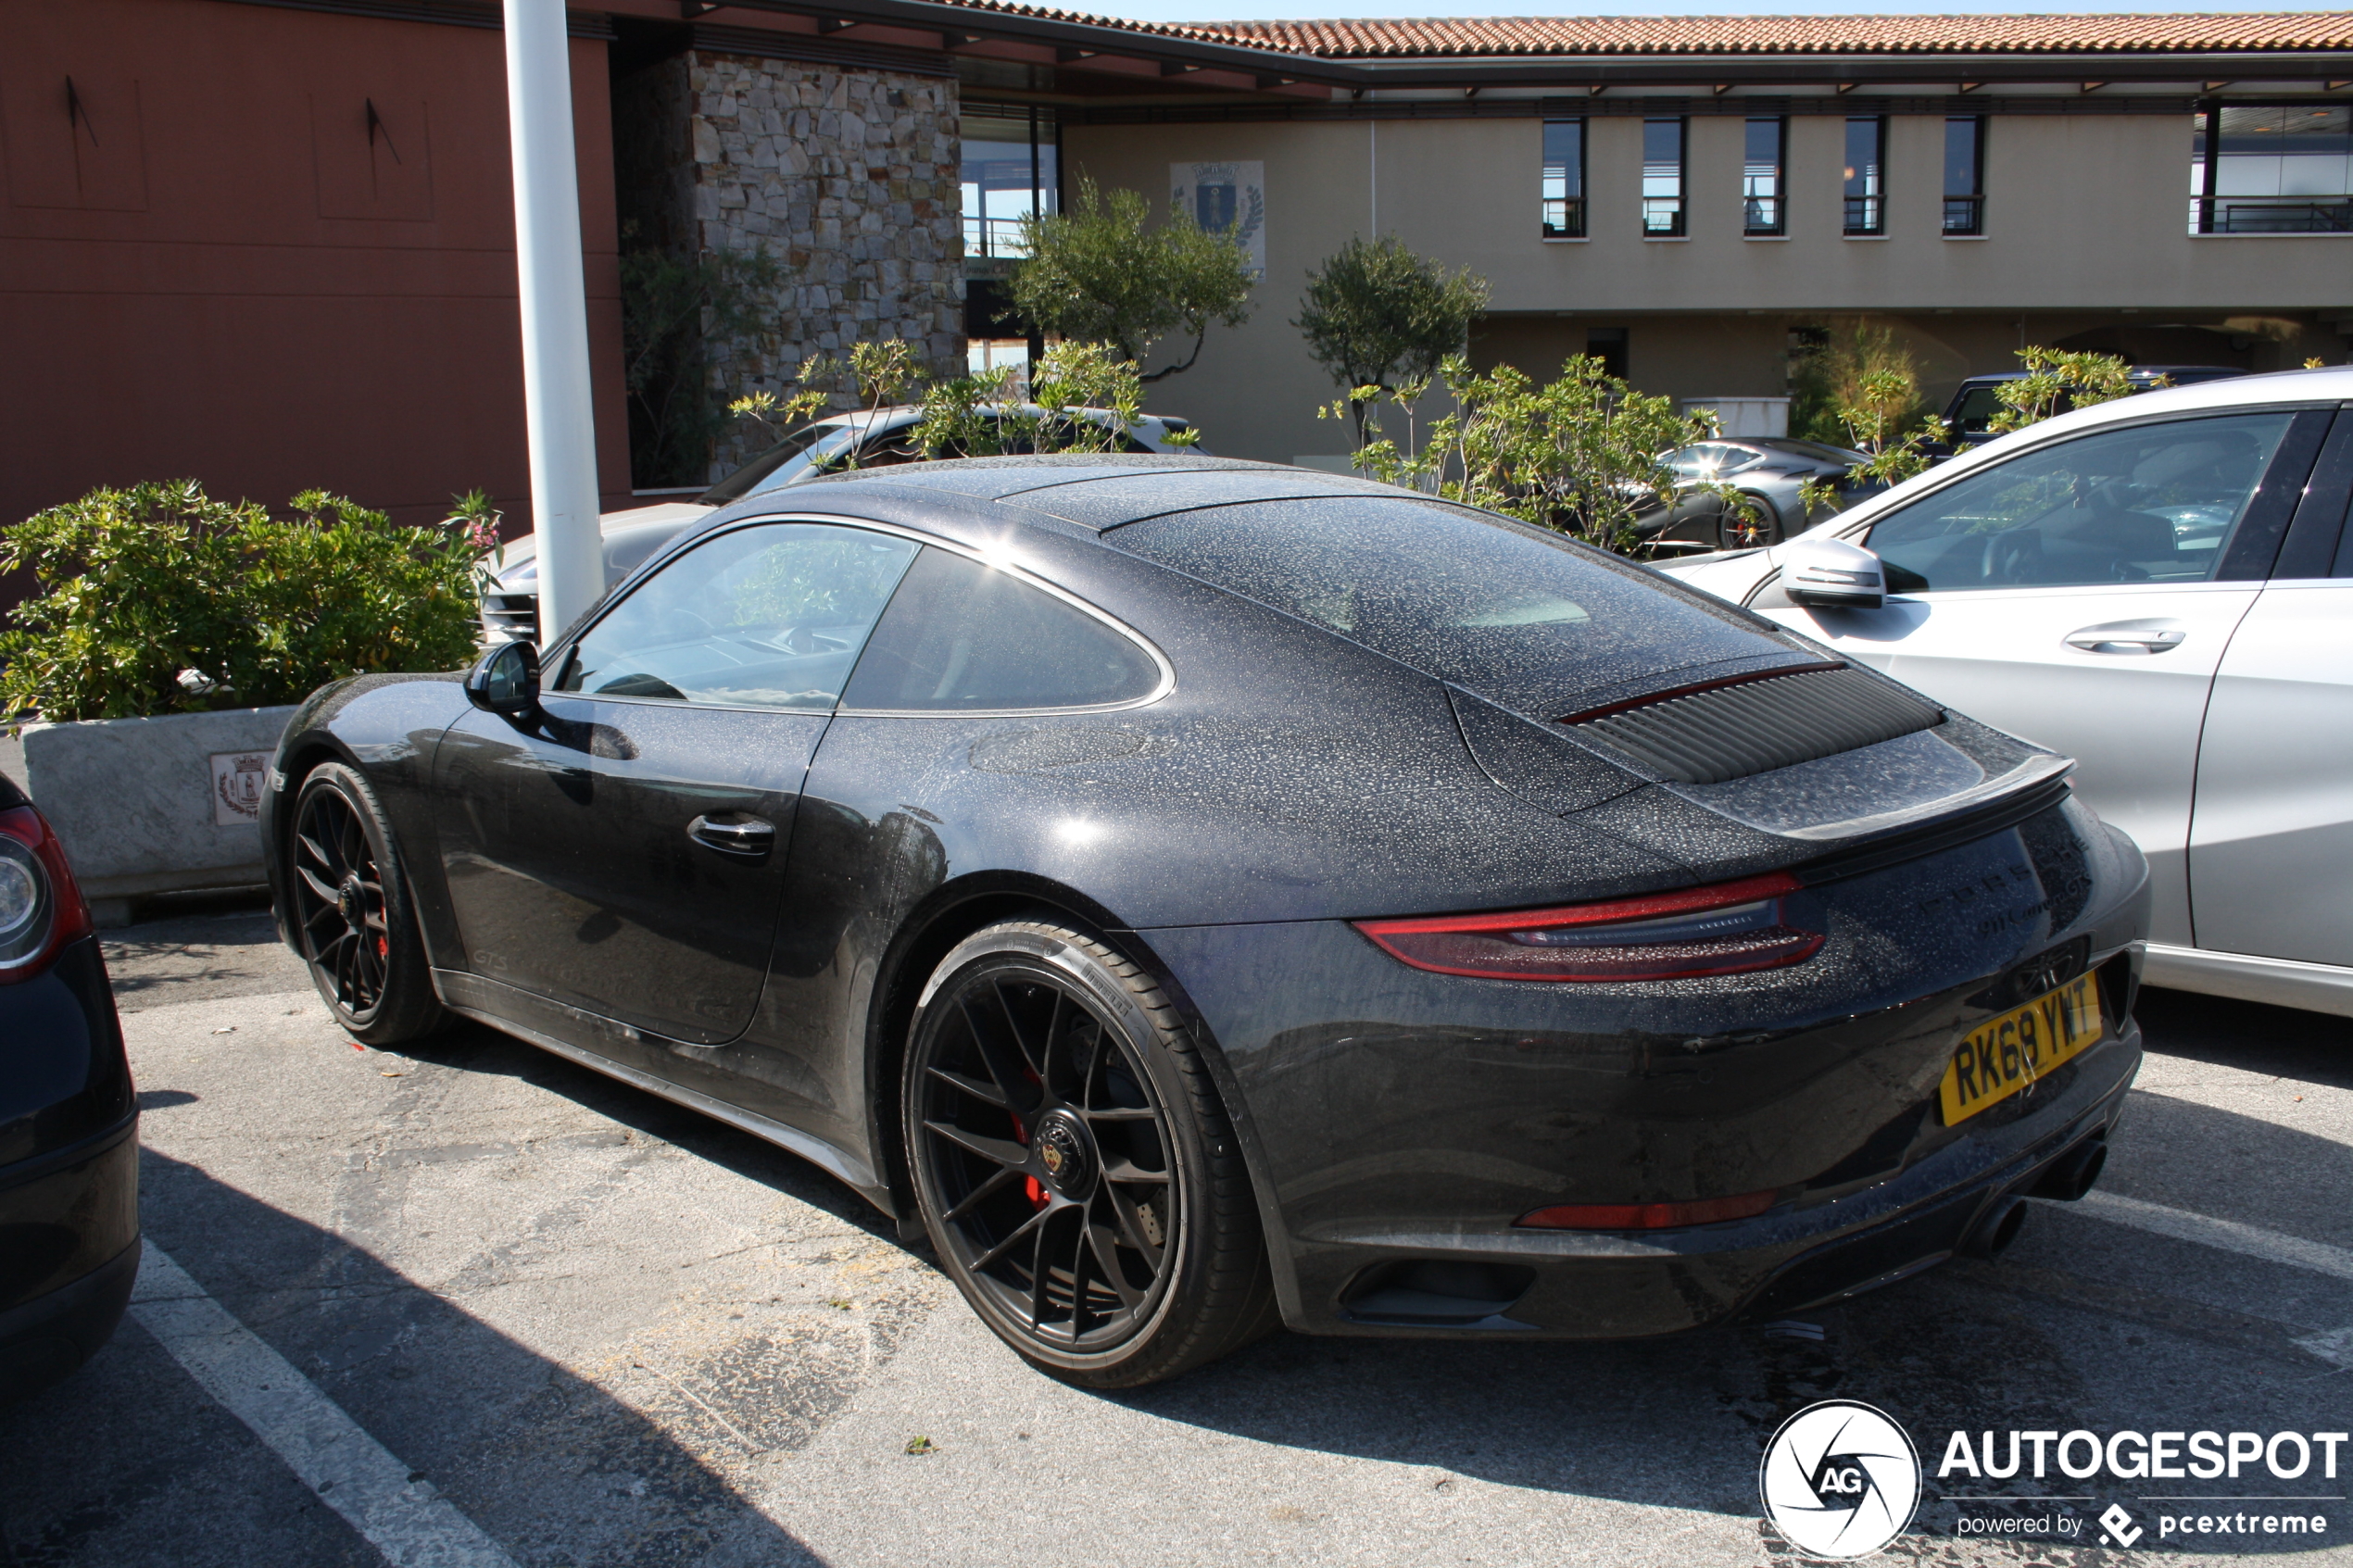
x=771 y=616
x=962 y=636
x=1705 y=458
x=2149 y=504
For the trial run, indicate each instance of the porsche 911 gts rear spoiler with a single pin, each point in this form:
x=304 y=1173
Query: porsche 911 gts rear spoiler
x=2027 y=791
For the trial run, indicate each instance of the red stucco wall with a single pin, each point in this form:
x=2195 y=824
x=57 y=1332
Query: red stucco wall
x=211 y=270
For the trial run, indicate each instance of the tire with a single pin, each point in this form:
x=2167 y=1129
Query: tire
x=1737 y=534
x=353 y=923
x=1073 y=1165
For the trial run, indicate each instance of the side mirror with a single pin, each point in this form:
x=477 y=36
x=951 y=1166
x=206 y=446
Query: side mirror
x=1831 y=574
x=506 y=681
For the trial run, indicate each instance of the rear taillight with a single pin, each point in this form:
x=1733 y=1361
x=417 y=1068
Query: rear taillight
x=1647 y=1216
x=41 y=909
x=1731 y=928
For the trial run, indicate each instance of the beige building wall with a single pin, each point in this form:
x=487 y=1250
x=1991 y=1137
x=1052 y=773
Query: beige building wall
x=2086 y=218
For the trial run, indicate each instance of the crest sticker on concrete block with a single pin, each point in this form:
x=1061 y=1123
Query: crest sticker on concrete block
x=238 y=779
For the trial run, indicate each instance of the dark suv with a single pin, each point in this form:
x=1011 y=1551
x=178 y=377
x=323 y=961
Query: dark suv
x=1978 y=399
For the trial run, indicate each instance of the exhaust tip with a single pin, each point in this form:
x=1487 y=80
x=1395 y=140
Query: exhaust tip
x=2074 y=1172
x=1995 y=1229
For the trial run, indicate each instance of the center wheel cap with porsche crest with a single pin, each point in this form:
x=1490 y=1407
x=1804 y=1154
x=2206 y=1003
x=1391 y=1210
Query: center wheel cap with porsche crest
x=1067 y=1151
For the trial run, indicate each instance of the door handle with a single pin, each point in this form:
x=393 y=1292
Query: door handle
x=732 y=833
x=2124 y=639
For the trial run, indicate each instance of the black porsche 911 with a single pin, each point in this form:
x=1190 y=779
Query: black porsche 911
x=1202 y=895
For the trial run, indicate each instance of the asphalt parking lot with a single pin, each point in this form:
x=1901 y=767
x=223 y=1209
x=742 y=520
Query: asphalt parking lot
x=576 y=1325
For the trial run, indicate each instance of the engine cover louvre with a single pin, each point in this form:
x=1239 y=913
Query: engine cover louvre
x=1757 y=725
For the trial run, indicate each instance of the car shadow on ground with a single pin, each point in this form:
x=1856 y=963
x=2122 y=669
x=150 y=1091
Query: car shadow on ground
x=473 y=1048
x=2314 y=1047
x=1681 y=1421
x=2083 y=1324
x=130 y=1463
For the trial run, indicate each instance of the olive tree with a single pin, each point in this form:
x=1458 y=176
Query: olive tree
x=2058 y=379
x=1097 y=274
x=1580 y=455
x=1380 y=316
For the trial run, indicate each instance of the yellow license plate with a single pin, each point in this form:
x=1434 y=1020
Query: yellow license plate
x=2009 y=1053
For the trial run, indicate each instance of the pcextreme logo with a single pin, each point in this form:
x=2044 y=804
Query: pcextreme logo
x=1839 y=1479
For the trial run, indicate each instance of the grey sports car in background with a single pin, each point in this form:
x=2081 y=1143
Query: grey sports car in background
x=1766 y=472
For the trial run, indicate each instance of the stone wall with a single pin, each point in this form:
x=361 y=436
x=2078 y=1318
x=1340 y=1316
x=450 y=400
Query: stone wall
x=849 y=176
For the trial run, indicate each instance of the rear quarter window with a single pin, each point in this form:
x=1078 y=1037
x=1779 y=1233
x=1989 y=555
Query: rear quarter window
x=962 y=636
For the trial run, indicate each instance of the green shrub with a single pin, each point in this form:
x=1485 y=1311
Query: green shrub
x=137 y=585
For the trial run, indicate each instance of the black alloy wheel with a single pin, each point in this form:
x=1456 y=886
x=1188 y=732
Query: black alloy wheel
x=1073 y=1162
x=1756 y=526
x=351 y=914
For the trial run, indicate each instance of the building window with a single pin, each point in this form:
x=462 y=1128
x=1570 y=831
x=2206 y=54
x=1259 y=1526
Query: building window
x=2284 y=168
x=1009 y=171
x=1965 y=174
x=1661 y=177
x=1762 y=195
x=1866 y=174
x=1564 y=178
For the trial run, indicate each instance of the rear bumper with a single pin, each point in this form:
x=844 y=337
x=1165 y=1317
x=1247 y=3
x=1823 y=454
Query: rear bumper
x=68 y=1253
x=1587 y=1285
x=1396 y=1119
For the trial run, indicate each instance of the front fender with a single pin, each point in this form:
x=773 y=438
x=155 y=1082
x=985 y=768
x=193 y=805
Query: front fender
x=386 y=727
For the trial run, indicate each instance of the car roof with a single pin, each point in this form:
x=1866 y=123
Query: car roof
x=1802 y=447
x=2201 y=372
x=1101 y=491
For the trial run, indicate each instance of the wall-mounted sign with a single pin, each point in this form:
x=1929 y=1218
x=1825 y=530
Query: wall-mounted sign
x=1224 y=198
x=238 y=779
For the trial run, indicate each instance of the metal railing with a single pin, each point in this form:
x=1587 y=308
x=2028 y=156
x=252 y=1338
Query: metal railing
x=1965 y=215
x=994 y=236
x=1761 y=215
x=1865 y=215
x=1662 y=215
x=1564 y=217
x=2271 y=215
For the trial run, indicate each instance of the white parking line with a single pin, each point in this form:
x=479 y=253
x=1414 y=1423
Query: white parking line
x=410 y=1522
x=2229 y=1235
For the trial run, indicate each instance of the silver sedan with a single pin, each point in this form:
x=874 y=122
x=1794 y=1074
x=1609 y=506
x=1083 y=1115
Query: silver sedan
x=879 y=438
x=2161 y=587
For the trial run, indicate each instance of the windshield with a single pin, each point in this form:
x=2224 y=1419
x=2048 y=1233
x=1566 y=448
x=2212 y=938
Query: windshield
x=1518 y=615
x=747 y=479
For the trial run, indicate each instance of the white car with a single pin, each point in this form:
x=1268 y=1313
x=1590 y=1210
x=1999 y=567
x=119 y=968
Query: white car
x=2162 y=588
x=510 y=609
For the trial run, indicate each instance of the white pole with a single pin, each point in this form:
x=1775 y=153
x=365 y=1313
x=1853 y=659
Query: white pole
x=559 y=411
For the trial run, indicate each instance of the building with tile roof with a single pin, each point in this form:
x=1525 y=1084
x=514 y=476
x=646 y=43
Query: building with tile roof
x=268 y=242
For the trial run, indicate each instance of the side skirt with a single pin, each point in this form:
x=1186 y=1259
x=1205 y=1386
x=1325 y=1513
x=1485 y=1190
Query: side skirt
x=2287 y=983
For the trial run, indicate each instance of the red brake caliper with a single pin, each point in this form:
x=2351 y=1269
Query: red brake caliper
x=1030 y=1184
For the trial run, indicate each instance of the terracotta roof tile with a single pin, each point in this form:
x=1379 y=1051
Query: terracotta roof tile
x=1208 y=33
x=1440 y=36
